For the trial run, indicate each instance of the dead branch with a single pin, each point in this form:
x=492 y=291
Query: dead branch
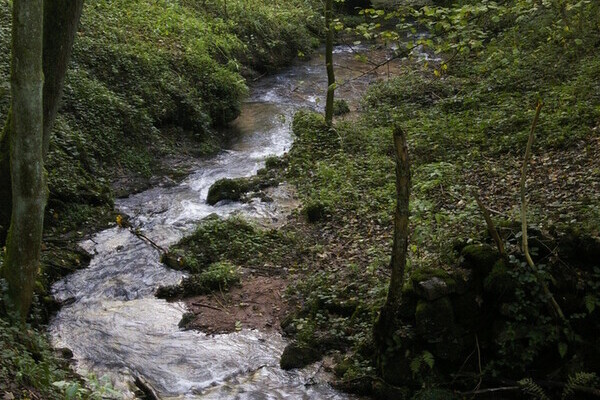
x=491 y=227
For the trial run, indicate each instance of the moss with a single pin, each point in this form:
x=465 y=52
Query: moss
x=186 y=318
x=480 y=258
x=500 y=283
x=227 y=189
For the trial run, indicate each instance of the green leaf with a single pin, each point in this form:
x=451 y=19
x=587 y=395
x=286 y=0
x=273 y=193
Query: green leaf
x=562 y=349
x=590 y=303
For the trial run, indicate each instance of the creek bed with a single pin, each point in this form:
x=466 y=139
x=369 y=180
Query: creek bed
x=116 y=327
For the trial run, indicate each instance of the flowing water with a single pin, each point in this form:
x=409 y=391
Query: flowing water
x=116 y=327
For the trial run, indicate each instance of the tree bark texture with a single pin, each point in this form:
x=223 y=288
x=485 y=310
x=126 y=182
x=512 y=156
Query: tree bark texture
x=61 y=20
x=387 y=321
x=23 y=245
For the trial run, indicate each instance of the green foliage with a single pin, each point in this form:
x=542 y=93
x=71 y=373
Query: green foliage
x=218 y=276
x=340 y=107
x=580 y=379
x=141 y=67
x=533 y=389
x=237 y=241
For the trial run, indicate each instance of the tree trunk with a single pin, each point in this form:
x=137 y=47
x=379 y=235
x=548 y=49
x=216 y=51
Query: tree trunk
x=61 y=19
x=23 y=245
x=329 y=62
x=388 y=318
x=5 y=181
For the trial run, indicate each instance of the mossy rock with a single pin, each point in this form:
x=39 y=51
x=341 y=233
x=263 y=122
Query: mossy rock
x=186 y=318
x=298 y=355
x=173 y=261
x=434 y=283
x=434 y=319
x=340 y=107
x=169 y=292
x=227 y=189
x=467 y=310
x=500 y=283
x=480 y=258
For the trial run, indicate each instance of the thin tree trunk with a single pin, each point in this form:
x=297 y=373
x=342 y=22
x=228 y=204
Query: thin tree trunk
x=29 y=191
x=61 y=20
x=329 y=62
x=525 y=243
x=385 y=325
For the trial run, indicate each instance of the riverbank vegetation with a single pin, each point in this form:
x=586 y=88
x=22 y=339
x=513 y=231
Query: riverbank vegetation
x=473 y=321
x=144 y=78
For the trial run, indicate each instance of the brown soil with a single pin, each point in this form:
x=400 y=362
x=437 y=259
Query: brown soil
x=257 y=304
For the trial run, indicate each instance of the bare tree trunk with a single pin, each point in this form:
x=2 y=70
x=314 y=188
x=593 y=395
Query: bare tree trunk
x=61 y=19
x=329 y=62
x=23 y=245
x=388 y=317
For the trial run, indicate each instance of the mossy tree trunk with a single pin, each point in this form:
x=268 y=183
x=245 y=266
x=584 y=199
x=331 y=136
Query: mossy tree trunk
x=329 y=62
x=5 y=181
x=61 y=20
x=387 y=322
x=23 y=245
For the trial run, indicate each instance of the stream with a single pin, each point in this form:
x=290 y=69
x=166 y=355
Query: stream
x=116 y=327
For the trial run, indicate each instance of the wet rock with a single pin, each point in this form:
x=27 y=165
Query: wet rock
x=298 y=355
x=287 y=325
x=65 y=352
x=173 y=261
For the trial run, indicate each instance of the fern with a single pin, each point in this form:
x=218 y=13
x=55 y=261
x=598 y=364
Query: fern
x=533 y=389
x=585 y=379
